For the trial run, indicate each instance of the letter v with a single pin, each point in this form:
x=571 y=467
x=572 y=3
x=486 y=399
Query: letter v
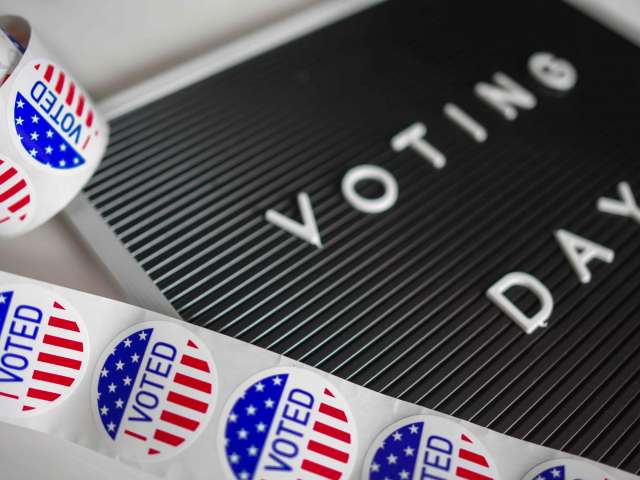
x=10 y=377
x=307 y=230
x=628 y=207
x=143 y=416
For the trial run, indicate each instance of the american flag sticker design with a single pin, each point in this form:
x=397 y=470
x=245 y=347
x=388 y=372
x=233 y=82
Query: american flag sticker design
x=567 y=469
x=43 y=350
x=428 y=447
x=16 y=197
x=288 y=423
x=53 y=121
x=154 y=391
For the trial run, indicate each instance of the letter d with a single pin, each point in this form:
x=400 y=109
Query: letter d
x=164 y=350
x=37 y=91
x=496 y=294
x=301 y=397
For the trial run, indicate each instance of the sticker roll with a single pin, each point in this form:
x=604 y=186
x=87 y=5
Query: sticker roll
x=51 y=136
x=180 y=402
x=10 y=54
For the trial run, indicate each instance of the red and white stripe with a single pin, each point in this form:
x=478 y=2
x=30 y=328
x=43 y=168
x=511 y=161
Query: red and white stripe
x=326 y=454
x=471 y=464
x=189 y=396
x=58 y=362
x=72 y=95
x=14 y=194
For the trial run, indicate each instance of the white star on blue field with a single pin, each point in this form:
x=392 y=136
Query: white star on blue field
x=41 y=140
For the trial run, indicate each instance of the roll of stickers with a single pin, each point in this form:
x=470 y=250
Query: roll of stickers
x=51 y=137
x=177 y=401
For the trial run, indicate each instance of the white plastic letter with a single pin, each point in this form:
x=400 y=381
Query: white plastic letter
x=520 y=279
x=628 y=207
x=466 y=122
x=307 y=230
x=374 y=173
x=413 y=137
x=505 y=95
x=580 y=251
x=552 y=72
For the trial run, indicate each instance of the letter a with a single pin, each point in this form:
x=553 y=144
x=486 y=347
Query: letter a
x=580 y=252
x=307 y=230
x=520 y=279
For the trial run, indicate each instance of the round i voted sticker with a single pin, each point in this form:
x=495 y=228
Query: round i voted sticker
x=428 y=446
x=288 y=423
x=566 y=469
x=44 y=350
x=52 y=120
x=16 y=197
x=154 y=390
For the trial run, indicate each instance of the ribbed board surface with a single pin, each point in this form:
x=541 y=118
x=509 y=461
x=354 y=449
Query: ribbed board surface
x=396 y=301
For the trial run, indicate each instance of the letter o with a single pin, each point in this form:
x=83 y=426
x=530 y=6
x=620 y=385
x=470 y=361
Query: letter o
x=21 y=363
x=67 y=125
x=290 y=449
x=553 y=72
x=151 y=396
x=374 y=173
